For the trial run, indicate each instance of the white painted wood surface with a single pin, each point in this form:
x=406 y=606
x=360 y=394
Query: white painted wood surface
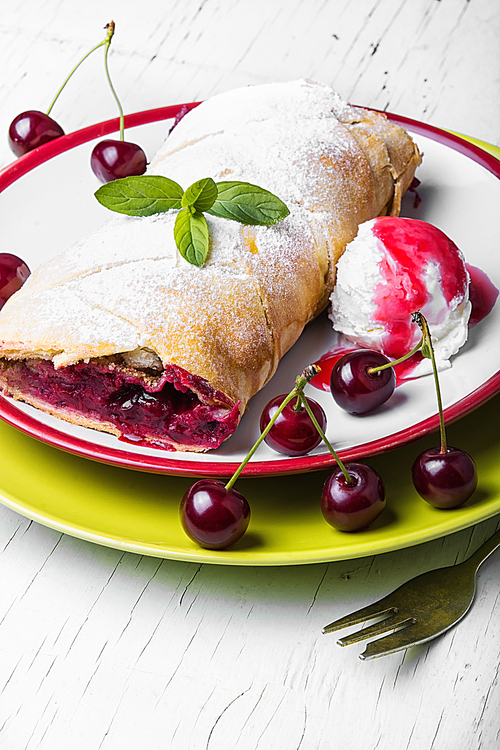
x=100 y=649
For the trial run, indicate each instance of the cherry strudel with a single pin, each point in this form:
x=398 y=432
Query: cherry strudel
x=121 y=334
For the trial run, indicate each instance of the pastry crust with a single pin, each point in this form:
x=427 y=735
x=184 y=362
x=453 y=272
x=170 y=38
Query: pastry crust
x=126 y=288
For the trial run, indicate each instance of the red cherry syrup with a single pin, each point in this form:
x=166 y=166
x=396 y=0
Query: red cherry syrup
x=482 y=294
x=410 y=245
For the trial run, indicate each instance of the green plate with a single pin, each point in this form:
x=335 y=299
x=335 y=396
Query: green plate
x=138 y=512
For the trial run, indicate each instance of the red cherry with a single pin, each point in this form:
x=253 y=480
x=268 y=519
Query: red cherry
x=293 y=433
x=212 y=516
x=13 y=274
x=353 y=506
x=354 y=388
x=113 y=160
x=444 y=480
x=31 y=129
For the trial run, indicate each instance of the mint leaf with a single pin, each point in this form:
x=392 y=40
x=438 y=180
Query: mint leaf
x=248 y=204
x=141 y=195
x=200 y=195
x=191 y=236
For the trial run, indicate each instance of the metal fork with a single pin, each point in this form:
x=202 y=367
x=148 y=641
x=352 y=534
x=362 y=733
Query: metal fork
x=420 y=609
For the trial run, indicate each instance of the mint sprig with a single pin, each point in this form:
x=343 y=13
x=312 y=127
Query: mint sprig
x=146 y=195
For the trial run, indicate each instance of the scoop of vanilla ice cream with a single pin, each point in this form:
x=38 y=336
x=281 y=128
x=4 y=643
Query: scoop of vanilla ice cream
x=393 y=267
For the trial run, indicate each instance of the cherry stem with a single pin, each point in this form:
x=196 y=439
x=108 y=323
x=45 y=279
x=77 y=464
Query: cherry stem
x=111 y=30
x=106 y=41
x=372 y=370
x=302 y=380
x=340 y=464
x=418 y=318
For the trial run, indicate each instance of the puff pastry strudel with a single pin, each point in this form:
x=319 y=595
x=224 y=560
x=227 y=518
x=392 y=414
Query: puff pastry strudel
x=121 y=334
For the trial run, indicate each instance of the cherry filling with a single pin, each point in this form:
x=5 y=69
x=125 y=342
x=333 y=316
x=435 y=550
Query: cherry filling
x=145 y=407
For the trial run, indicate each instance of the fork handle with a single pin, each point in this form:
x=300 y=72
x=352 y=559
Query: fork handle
x=474 y=561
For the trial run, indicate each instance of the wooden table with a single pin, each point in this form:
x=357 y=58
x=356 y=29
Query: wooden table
x=105 y=649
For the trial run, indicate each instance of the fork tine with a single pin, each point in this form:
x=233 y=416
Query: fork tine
x=382 y=607
x=398 y=641
x=390 y=623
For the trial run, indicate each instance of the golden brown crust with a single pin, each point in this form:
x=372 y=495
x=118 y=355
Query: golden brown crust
x=230 y=322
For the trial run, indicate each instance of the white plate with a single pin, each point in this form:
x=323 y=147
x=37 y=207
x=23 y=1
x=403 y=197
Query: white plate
x=51 y=205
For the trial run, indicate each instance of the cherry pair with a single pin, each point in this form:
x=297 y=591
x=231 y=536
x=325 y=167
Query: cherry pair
x=110 y=159
x=362 y=380
x=216 y=515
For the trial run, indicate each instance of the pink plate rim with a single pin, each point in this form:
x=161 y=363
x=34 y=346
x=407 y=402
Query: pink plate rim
x=162 y=464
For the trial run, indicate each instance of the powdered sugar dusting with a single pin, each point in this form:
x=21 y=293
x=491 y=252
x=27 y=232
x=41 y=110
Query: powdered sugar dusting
x=272 y=136
x=292 y=102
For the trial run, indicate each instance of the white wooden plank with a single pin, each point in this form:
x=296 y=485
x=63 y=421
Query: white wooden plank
x=101 y=649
